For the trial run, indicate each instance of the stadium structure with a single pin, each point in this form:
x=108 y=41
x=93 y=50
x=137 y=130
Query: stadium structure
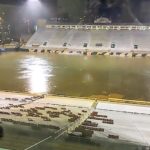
x=123 y=40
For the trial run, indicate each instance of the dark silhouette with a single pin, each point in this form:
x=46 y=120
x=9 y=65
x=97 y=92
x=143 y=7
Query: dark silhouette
x=1 y=132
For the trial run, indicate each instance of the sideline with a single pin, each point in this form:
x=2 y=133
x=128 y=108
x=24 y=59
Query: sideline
x=38 y=143
x=98 y=99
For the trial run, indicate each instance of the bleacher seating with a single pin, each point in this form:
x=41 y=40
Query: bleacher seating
x=92 y=39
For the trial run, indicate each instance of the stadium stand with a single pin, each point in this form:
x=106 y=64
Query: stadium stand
x=92 y=38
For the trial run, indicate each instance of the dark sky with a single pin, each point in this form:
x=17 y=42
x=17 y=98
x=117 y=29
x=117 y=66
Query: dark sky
x=117 y=10
x=19 y=2
x=121 y=10
x=11 y=1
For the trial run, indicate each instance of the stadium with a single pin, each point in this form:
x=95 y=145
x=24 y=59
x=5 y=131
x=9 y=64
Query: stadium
x=123 y=40
x=74 y=75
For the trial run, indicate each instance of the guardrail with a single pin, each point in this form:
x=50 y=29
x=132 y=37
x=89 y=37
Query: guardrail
x=100 y=27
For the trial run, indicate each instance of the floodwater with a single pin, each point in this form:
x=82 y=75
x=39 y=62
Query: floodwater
x=75 y=75
x=70 y=76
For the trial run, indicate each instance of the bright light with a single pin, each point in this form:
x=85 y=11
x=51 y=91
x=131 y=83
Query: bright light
x=34 y=7
x=33 y=0
x=37 y=72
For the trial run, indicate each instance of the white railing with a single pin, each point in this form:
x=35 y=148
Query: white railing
x=100 y=27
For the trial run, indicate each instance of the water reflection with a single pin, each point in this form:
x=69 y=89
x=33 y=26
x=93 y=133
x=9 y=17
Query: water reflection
x=37 y=72
x=88 y=78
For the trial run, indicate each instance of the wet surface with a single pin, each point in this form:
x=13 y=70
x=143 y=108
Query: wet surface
x=75 y=75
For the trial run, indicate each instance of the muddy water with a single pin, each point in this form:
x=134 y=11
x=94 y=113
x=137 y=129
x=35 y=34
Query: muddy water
x=75 y=75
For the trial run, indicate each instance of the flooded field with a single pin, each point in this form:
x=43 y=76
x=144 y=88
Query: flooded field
x=82 y=76
x=75 y=75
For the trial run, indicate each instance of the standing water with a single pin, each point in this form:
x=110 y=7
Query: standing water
x=70 y=76
x=75 y=75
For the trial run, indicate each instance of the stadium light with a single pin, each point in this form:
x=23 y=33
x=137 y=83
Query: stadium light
x=34 y=6
x=33 y=10
x=33 y=0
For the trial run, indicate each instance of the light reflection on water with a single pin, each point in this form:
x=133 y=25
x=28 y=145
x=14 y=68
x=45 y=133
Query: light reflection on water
x=37 y=72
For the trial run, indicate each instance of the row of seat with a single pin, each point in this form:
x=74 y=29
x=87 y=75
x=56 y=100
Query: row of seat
x=124 y=40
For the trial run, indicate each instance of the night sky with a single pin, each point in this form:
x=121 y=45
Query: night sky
x=126 y=11
x=119 y=11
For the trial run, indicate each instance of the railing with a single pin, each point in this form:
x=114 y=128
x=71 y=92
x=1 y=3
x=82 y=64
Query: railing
x=100 y=27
